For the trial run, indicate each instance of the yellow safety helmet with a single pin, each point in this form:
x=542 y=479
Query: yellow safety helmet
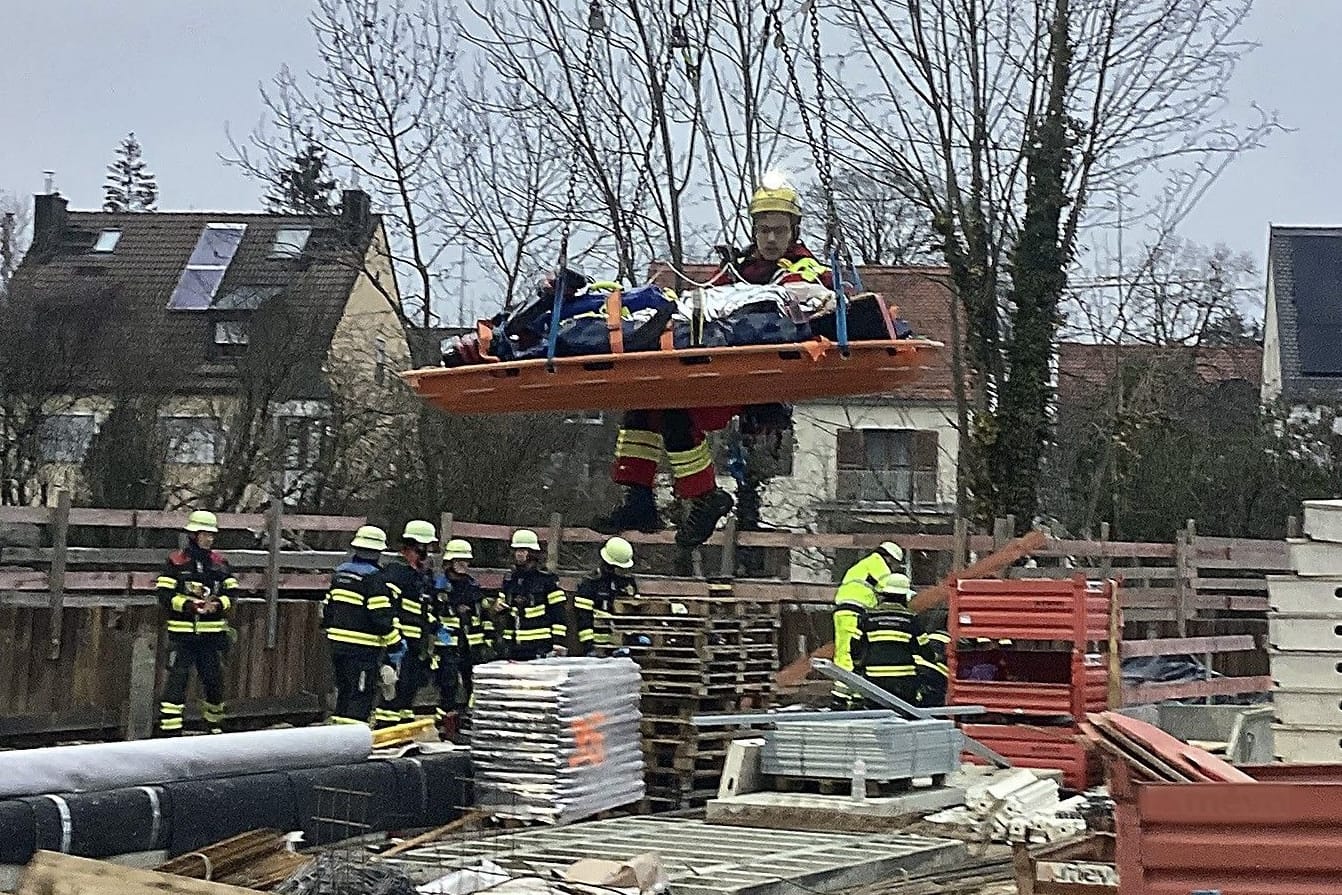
x=525 y=539
x=457 y=548
x=780 y=199
x=619 y=553
x=202 y=520
x=369 y=537
x=419 y=531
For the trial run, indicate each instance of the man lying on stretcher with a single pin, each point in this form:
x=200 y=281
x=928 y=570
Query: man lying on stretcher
x=777 y=256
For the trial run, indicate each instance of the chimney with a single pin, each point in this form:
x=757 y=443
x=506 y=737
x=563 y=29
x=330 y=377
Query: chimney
x=356 y=215
x=48 y=220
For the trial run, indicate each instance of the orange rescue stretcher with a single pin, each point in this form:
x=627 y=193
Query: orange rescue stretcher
x=685 y=377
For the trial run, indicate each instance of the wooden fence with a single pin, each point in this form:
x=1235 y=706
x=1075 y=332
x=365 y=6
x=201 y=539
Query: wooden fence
x=79 y=636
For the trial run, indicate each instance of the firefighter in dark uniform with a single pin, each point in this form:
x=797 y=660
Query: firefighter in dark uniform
x=889 y=639
x=933 y=672
x=411 y=586
x=594 y=601
x=360 y=625
x=466 y=635
x=196 y=591
x=536 y=605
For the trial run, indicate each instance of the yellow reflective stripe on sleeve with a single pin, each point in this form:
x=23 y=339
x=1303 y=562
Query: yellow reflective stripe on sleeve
x=934 y=637
x=889 y=670
x=555 y=596
x=412 y=607
x=938 y=667
x=889 y=637
x=379 y=602
x=475 y=639
x=211 y=627
x=340 y=595
x=166 y=581
x=225 y=602
x=536 y=634
x=586 y=636
x=358 y=638
x=559 y=630
x=396 y=591
x=410 y=632
x=230 y=583
x=534 y=612
x=391 y=639
x=583 y=603
x=179 y=602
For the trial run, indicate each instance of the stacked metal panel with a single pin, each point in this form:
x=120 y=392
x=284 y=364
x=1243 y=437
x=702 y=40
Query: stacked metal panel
x=556 y=740
x=1305 y=636
x=890 y=748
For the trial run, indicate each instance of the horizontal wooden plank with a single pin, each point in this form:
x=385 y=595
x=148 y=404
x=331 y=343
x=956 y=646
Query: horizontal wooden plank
x=1255 y=585
x=1178 y=646
x=307 y=522
x=1221 y=686
x=25 y=515
x=103 y=518
x=138 y=556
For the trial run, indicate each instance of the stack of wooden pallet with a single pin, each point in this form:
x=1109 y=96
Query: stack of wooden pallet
x=699 y=654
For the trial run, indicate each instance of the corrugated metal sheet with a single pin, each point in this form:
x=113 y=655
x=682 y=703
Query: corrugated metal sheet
x=1279 y=836
x=1047 y=748
x=1033 y=609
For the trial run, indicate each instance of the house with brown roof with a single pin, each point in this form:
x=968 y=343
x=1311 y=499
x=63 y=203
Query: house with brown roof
x=880 y=461
x=1302 y=335
x=252 y=332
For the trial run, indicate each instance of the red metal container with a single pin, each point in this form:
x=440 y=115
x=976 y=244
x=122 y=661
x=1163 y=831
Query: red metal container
x=1073 y=609
x=1279 y=836
x=1052 y=748
x=1082 y=686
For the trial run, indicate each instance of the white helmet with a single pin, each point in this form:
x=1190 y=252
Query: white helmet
x=525 y=539
x=457 y=548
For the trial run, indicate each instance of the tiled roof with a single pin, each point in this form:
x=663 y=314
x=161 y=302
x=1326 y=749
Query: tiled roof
x=923 y=296
x=148 y=260
x=1085 y=370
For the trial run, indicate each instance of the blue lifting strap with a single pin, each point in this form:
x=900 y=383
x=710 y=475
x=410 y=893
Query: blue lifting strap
x=552 y=340
x=840 y=303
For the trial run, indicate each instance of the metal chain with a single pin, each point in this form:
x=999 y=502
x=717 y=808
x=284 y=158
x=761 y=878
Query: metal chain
x=819 y=152
x=833 y=229
x=594 y=16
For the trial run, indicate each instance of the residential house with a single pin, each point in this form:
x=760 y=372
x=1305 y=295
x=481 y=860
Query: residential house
x=254 y=332
x=1302 y=337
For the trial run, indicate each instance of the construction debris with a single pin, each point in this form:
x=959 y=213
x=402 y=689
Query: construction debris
x=1018 y=806
x=52 y=873
x=556 y=740
x=337 y=873
x=1153 y=754
x=260 y=859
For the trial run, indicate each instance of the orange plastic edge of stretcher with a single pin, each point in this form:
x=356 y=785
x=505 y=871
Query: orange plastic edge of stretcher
x=688 y=377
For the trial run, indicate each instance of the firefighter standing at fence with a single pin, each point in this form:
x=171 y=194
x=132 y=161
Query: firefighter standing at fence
x=594 y=600
x=360 y=625
x=411 y=585
x=195 y=591
x=858 y=593
x=536 y=605
x=466 y=635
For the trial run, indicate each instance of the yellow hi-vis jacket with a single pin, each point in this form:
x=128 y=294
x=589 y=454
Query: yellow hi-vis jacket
x=857 y=593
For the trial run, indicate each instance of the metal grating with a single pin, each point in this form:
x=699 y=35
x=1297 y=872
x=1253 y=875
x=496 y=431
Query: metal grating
x=700 y=858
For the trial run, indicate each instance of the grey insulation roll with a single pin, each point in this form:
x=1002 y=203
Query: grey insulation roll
x=95 y=766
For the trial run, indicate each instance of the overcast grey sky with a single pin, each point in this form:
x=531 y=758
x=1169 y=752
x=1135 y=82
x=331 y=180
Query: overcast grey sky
x=79 y=74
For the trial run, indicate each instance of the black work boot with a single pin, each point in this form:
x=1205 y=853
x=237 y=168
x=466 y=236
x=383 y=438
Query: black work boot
x=638 y=512
x=702 y=518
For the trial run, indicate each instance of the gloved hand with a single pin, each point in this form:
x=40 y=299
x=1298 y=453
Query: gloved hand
x=396 y=654
x=387 y=680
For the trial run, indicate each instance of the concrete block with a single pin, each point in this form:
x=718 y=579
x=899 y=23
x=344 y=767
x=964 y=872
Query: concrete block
x=1315 y=558
x=741 y=768
x=1308 y=708
x=1305 y=632
x=1323 y=520
x=1308 y=745
x=1306 y=671
x=1291 y=593
x=807 y=811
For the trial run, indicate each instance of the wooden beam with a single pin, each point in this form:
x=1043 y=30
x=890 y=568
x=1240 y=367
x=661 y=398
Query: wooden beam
x=60 y=540
x=275 y=535
x=1180 y=646
x=51 y=873
x=1221 y=686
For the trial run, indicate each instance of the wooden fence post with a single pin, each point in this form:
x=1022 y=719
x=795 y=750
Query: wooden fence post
x=728 y=567
x=275 y=535
x=553 y=543
x=445 y=523
x=60 y=540
x=1106 y=561
x=140 y=703
x=960 y=544
x=1185 y=570
x=1292 y=526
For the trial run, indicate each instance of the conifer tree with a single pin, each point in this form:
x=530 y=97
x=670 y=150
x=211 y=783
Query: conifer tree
x=304 y=186
x=130 y=186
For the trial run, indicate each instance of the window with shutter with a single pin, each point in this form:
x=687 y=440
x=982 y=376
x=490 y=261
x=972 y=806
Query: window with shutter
x=850 y=449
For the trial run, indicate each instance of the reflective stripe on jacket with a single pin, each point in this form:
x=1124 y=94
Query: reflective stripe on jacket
x=195 y=576
x=357 y=611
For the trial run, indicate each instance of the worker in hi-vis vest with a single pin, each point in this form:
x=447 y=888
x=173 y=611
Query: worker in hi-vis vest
x=858 y=593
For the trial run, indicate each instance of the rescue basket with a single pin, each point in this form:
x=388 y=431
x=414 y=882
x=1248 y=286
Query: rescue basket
x=678 y=378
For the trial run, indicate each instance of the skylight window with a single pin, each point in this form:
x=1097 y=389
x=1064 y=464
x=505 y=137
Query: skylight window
x=289 y=242
x=107 y=241
x=206 y=267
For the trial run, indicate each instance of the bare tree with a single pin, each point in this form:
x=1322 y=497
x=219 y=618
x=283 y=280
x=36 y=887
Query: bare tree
x=378 y=103
x=15 y=218
x=1005 y=118
x=881 y=224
